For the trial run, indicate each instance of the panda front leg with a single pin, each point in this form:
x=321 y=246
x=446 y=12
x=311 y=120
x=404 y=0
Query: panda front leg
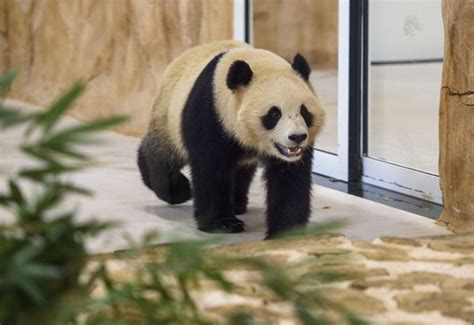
x=243 y=177
x=212 y=179
x=288 y=193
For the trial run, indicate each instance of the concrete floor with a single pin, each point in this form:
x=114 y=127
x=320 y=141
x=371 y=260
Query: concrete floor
x=121 y=197
x=403 y=113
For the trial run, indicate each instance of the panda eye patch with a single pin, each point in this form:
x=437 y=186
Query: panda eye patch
x=307 y=116
x=272 y=117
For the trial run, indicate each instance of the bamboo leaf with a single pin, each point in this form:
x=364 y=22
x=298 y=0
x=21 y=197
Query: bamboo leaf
x=4 y=199
x=25 y=254
x=11 y=117
x=31 y=290
x=72 y=134
x=308 y=319
x=15 y=192
x=355 y=320
x=40 y=154
x=36 y=270
x=67 y=187
x=52 y=114
x=39 y=174
x=60 y=147
x=6 y=79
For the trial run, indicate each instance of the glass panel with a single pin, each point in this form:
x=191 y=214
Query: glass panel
x=309 y=27
x=405 y=62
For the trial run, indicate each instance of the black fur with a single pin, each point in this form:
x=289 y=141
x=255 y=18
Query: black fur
x=301 y=66
x=243 y=177
x=212 y=156
x=160 y=171
x=307 y=116
x=288 y=193
x=239 y=74
x=219 y=184
x=272 y=117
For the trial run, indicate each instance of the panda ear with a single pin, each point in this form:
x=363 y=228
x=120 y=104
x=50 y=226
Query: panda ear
x=301 y=66
x=239 y=74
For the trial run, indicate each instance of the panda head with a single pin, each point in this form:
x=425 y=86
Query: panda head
x=278 y=113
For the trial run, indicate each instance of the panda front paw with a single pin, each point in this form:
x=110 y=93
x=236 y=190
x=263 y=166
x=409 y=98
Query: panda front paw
x=238 y=210
x=226 y=225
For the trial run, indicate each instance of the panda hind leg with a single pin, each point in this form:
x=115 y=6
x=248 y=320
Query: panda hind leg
x=160 y=171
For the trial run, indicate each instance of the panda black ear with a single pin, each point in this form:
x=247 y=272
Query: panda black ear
x=239 y=74
x=301 y=66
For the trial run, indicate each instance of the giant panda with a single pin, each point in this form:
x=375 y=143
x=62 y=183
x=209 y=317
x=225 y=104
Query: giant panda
x=224 y=108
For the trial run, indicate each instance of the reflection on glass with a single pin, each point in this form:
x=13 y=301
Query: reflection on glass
x=310 y=28
x=405 y=53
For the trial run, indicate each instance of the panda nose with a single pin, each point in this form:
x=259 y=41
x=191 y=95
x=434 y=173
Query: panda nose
x=298 y=138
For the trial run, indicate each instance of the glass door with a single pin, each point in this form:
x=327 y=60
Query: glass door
x=377 y=71
x=403 y=70
x=318 y=30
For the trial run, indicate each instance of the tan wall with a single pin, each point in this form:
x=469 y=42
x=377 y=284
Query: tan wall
x=457 y=117
x=120 y=47
x=306 y=26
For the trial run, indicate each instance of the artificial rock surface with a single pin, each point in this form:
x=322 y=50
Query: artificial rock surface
x=119 y=47
x=428 y=280
x=457 y=117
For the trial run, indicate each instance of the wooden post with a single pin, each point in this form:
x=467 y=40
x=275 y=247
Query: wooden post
x=456 y=162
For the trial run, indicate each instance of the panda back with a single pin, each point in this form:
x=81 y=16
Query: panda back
x=175 y=87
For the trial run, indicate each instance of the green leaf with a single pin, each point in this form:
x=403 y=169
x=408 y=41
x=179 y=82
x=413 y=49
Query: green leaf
x=52 y=114
x=219 y=278
x=11 y=117
x=15 y=192
x=67 y=187
x=40 y=154
x=241 y=318
x=25 y=254
x=4 y=199
x=31 y=290
x=308 y=319
x=61 y=147
x=51 y=197
x=71 y=134
x=6 y=79
x=36 y=270
x=39 y=174
x=355 y=320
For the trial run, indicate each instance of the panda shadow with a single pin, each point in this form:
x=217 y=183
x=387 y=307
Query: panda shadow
x=182 y=213
x=254 y=217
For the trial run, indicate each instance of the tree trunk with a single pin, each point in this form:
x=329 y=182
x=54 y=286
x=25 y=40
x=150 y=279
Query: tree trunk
x=457 y=117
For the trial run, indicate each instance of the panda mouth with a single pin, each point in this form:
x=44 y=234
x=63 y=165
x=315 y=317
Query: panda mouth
x=289 y=151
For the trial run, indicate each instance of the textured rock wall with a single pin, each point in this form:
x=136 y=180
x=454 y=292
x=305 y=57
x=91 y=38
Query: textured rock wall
x=120 y=47
x=307 y=26
x=457 y=117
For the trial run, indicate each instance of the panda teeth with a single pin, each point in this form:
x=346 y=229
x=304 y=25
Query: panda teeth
x=294 y=151
x=289 y=151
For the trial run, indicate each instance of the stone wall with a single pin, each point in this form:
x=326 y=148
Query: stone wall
x=120 y=47
x=457 y=117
